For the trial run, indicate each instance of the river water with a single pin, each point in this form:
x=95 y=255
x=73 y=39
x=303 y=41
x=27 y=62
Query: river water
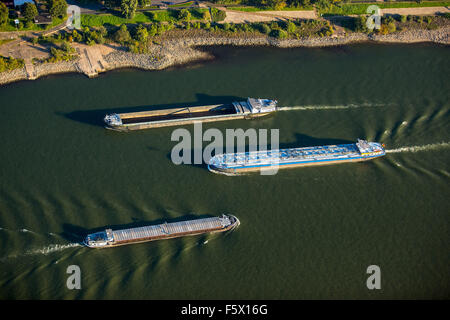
x=305 y=233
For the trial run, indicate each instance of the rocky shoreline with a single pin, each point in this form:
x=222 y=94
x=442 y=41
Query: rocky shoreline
x=181 y=50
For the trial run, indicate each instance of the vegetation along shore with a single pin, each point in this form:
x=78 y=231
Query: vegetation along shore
x=131 y=33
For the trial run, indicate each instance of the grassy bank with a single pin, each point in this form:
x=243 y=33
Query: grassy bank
x=361 y=8
x=180 y=5
x=92 y=20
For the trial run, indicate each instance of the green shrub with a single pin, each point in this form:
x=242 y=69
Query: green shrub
x=9 y=63
x=3 y=14
x=217 y=15
x=360 y=24
x=184 y=15
x=206 y=16
x=264 y=28
x=278 y=33
x=76 y=36
x=291 y=27
x=391 y=27
x=141 y=34
x=122 y=35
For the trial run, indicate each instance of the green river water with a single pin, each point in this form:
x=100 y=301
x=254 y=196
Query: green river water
x=305 y=233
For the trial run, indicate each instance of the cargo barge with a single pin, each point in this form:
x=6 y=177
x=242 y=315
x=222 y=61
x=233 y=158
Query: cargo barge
x=296 y=157
x=113 y=238
x=251 y=108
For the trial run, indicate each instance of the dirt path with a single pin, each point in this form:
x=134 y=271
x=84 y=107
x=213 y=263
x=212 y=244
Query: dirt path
x=264 y=16
x=416 y=11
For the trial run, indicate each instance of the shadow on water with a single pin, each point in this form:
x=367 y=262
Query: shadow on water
x=75 y=233
x=95 y=117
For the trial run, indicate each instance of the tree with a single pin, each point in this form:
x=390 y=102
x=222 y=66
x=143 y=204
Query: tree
x=102 y=30
x=298 y=3
x=141 y=34
x=278 y=33
x=122 y=35
x=58 y=8
x=110 y=4
x=76 y=36
x=66 y=46
x=3 y=14
x=128 y=8
x=323 y=4
x=291 y=27
x=184 y=14
x=360 y=24
x=144 y=3
x=275 y=4
x=217 y=15
x=29 y=11
x=264 y=28
x=391 y=27
x=206 y=16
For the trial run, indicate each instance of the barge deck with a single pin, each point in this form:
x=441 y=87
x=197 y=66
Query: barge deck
x=112 y=238
x=251 y=108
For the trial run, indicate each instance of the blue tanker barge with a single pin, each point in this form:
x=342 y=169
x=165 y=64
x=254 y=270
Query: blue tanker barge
x=295 y=157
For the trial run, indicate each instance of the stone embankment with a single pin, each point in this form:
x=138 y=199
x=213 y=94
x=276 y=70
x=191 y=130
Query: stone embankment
x=181 y=50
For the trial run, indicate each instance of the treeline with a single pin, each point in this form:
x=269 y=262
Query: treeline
x=136 y=37
x=29 y=11
x=127 y=7
x=391 y=24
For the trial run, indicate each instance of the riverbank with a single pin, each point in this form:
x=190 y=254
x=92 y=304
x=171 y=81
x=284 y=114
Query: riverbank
x=179 y=47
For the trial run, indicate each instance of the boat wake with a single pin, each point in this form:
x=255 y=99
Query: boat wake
x=44 y=251
x=52 y=248
x=426 y=147
x=319 y=107
x=26 y=230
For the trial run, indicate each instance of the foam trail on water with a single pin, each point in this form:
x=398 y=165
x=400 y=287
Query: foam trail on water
x=52 y=248
x=45 y=250
x=426 y=147
x=318 y=107
x=26 y=230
